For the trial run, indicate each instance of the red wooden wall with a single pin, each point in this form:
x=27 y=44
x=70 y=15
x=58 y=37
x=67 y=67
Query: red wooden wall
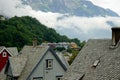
x=3 y=59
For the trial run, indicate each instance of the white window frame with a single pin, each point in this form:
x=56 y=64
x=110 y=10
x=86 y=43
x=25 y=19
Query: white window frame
x=49 y=63
x=4 y=54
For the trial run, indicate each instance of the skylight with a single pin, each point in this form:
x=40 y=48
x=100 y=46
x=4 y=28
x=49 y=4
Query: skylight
x=96 y=63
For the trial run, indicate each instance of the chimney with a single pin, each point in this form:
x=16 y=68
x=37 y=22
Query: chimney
x=35 y=42
x=115 y=35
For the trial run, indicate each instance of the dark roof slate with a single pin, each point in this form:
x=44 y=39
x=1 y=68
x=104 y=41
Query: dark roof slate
x=17 y=64
x=108 y=67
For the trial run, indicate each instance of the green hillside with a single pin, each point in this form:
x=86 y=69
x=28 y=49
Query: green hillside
x=20 y=31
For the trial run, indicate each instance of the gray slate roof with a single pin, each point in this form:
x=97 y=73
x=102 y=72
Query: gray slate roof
x=13 y=50
x=17 y=64
x=108 y=67
x=33 y=55
x=62 y=58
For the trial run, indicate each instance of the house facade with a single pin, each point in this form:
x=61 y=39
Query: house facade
x=37 y=63
x=99 y=59
x=49 y=68
x=5 y=53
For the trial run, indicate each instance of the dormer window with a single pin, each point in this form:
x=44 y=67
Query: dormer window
x=4 y=54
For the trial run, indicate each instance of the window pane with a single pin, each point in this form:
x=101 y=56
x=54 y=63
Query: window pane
x=49 y=63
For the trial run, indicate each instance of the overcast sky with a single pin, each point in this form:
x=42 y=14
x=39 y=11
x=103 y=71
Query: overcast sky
x=112 y=4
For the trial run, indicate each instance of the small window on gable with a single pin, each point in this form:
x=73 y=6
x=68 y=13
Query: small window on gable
x=37 y=78
x=58 y=77
x=4 y=54
x=49 y=63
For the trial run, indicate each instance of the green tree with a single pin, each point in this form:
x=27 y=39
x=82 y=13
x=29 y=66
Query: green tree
x=20 y=31
x=74 y=54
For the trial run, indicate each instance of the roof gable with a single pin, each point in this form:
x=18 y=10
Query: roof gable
x=13 y=50
x=4 y=48
x=44 y=54
x=34 y=57
x=34 y=54
x=29 y=58
x=62 y=58
x=59 y=60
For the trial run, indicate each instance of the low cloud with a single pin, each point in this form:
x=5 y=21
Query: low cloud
x=85 y=28
x=113 y=5
x=72 y=26
x=12 y=8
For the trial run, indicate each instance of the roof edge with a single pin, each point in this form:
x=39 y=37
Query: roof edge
x=6 y=50
x=56 y=56
x=37 y=63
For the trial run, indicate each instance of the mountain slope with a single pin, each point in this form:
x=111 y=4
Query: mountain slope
x=73 y=7
x=20 y=31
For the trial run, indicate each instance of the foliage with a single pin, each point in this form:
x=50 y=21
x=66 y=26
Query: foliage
x=69 y=50
x=76 y=41
x=74 y=54
x=82 y=44
x=59 y=49
x=20 y=31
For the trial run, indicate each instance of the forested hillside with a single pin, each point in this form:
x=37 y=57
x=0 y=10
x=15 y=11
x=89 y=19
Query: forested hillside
x=20 y=31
